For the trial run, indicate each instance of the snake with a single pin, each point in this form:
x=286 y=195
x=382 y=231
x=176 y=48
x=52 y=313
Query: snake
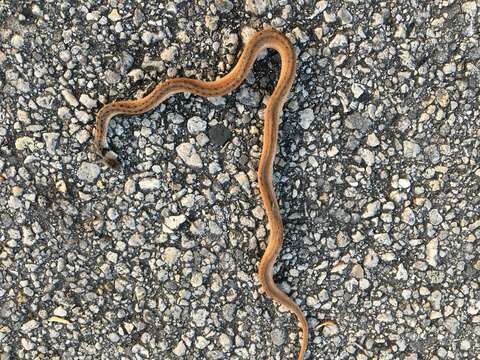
x=265 y=39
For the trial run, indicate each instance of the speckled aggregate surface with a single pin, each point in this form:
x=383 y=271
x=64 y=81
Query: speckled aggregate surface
x=377 y=176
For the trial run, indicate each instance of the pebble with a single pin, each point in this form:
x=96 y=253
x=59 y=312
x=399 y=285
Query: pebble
x=149 y=184
x=111 y=77
x=219 y=134
x=345 y=16
x=173 y=222
x=357 y=121
x=29 y=326
x=17 y=41
x=357 y=272
x=404 y=183
x=196 y=280
x=180 y=350
x=371 y=209
x=27 y=344
x=189 y=155
x=171 y=255
x=372 y=140
x=407 y=60
x=25 y=142
x=87 y=101
x=278 y=337
x=257 y=7
x=199 y=317
x=410 y=149
x=51 y=141
x=339 y=41
x=306 y=118
x=371 y=259
x=60 y=311
x=88 y=172
x=136 y=75
x=125 y=63
x=248 y=97
x=112 y=214
x=408 y=216
x=243 y=181
x=368 y=156
x=452 y=325
x=357 y=90
x=449 y=68
x=442 y=97
x=69 y=98
x=136 y=240
x=169 y=54
x=470 y=7
x=114 y=15
x=225 y=342
x=431 y=252
x=149 y=37
x=196 y=125
x=435 y=217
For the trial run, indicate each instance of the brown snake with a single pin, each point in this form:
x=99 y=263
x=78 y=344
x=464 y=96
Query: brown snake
x=268 y=38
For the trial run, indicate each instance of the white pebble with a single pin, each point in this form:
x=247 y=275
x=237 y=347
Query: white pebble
x=149 y=184
x=173 y=223
x=188 y=154
x=88 y=171
x=339 y=40
x=196 y=124
x=306 y=118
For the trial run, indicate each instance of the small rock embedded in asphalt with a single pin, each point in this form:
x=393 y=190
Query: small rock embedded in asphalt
x=88 y=171
x=219 y=134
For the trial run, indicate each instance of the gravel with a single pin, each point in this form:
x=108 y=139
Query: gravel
x=377 y=176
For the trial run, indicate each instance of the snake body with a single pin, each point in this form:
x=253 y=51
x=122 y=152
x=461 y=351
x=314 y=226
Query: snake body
x=268 y=38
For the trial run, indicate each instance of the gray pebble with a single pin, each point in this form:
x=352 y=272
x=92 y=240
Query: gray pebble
x=51 y=141
x=435 y=217
x=358 y=121
x=278 y=337
x=196 y=124
x=357 y=90
x=88 y=172
x=170 y=255
x=345 y=16
x=112 y=77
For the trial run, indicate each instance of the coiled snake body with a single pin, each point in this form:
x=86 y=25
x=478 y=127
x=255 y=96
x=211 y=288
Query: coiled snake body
x=268 y=38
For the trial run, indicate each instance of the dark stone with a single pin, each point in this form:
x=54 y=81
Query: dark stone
x=219 y=134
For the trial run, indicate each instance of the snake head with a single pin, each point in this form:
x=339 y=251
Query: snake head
x=109 y=157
